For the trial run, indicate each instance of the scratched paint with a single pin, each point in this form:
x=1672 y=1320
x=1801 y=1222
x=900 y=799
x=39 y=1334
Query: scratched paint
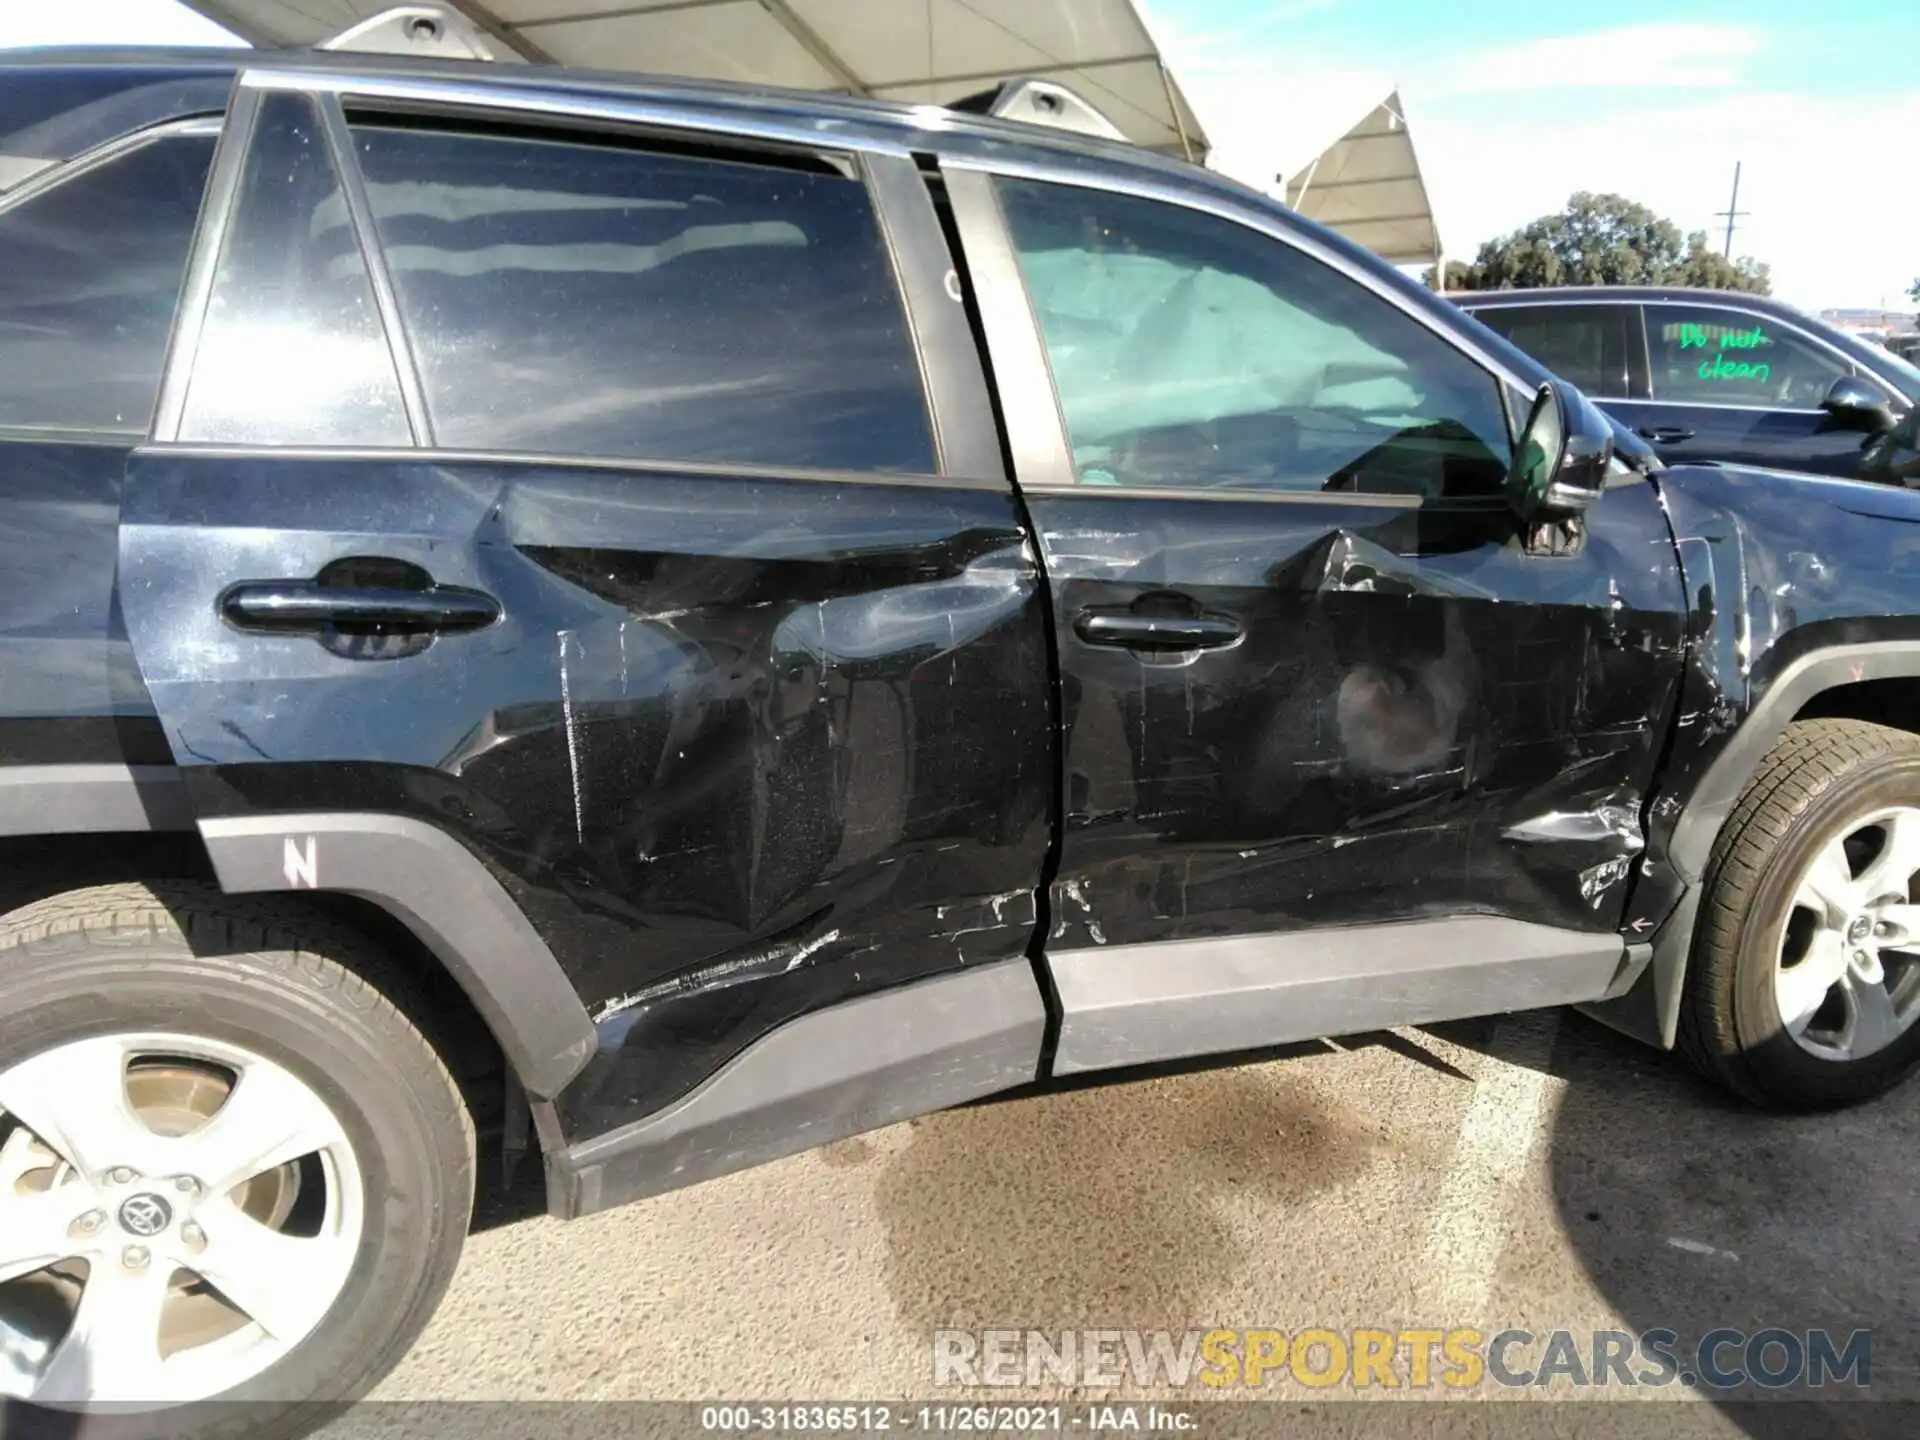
x=1408 y=688
x=570 y=723
x=1596 y=880
x=1776 y=565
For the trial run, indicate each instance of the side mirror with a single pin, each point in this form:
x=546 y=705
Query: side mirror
x=1560 y=464
x=1859 y=404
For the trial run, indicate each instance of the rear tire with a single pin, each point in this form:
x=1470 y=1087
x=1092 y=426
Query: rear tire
x=1801 y=993
x=189 y=998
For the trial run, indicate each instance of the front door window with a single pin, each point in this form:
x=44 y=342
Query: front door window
x=1191 y=352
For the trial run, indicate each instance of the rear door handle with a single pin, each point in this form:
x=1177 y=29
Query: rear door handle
x=296 y=605
x=1133 y=631
x=1665 y=434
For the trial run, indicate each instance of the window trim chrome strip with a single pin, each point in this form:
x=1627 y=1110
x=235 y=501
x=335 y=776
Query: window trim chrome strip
x=56 y=175
x=1168 y=494
x=514 y=99
x=1711 y=405
x=203 y=258
x=333 y=125
x=744 y=472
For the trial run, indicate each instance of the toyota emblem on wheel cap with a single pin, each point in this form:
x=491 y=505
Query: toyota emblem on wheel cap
x=145 y=1215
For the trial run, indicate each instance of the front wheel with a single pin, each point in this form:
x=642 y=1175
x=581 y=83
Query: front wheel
x=231 y=1169
x=1804 y=987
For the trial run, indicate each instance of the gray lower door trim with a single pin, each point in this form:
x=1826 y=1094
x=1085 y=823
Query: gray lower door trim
x=1139 y=1004
x=92 y=799
x=440 y=891
x=827 y=1075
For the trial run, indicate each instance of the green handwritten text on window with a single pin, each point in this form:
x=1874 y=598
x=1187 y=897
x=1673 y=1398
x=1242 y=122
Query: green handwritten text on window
x=1698 y=337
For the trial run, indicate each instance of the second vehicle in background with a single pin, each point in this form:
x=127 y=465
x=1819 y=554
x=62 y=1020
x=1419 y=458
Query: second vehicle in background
x=1715 y=375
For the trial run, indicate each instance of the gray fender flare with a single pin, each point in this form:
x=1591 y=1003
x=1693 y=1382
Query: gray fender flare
x=1713 y=800
x=440 y=891
x=414 y=871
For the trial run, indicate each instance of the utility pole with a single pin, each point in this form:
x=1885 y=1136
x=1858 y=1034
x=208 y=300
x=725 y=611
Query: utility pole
x=1733 y=211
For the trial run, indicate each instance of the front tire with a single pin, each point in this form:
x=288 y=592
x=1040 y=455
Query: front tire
x=1804 y=984
x=234 y=1176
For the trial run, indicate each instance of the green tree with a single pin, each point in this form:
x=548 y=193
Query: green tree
x=1912 y=294
x=1710 y=270
x=1605 y=240
x=1459 y=273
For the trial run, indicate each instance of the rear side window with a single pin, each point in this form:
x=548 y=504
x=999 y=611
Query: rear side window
x=292 y=350
x=1585 y=345
x=90 y=272
x=593 y=300
x=1705 y=355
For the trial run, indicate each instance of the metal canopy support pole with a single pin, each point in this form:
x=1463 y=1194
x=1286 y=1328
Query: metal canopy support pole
x=805 y=37
x=1305 y=181
x=491 y=25
x=1173 y=107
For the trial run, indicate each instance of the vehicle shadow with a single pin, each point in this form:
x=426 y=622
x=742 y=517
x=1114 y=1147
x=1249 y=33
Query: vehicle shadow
x=22 y=1421
x=1693 y=1212
x=509 y=1186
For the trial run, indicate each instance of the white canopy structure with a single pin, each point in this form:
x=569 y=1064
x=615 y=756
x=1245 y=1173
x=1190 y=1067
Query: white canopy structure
x=915 y=51
x=1368 y=186
x=1343 y=156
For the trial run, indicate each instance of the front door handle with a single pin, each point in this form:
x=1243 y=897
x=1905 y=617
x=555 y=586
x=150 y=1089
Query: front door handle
x=1665 y=434
x=1132 y=630
x=296 y=605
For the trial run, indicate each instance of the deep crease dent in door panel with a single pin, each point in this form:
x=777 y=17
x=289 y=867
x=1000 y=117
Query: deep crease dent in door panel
x=741 y=747
x=746 y=742
x=1411 y=699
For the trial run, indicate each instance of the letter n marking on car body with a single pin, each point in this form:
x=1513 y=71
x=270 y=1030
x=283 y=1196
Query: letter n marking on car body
x=301 y=867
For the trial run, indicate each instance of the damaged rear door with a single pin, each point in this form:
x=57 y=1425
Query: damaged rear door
x=1314 y=674
x=631 y=509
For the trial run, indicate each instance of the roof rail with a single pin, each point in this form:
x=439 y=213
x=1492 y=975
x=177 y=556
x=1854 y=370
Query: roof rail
x=1040 y=102
x=435 y=30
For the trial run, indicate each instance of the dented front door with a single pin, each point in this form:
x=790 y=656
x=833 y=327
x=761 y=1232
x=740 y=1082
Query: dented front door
x=1314 y=669
x=1416 y=718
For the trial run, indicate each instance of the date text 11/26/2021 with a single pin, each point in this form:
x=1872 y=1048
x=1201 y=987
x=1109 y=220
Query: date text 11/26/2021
x=944 y=1419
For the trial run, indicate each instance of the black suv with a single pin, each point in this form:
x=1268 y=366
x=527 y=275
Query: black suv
x=1712 y=375
x=672 y=625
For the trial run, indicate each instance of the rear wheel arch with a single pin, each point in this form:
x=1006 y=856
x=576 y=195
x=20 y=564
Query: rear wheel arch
x=446 y=898
x=77 y=825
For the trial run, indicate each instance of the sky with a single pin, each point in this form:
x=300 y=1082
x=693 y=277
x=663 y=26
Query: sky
x=1514 y=105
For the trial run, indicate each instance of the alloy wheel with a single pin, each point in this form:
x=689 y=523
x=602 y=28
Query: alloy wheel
x=1848 y=977
x=176 y=1215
